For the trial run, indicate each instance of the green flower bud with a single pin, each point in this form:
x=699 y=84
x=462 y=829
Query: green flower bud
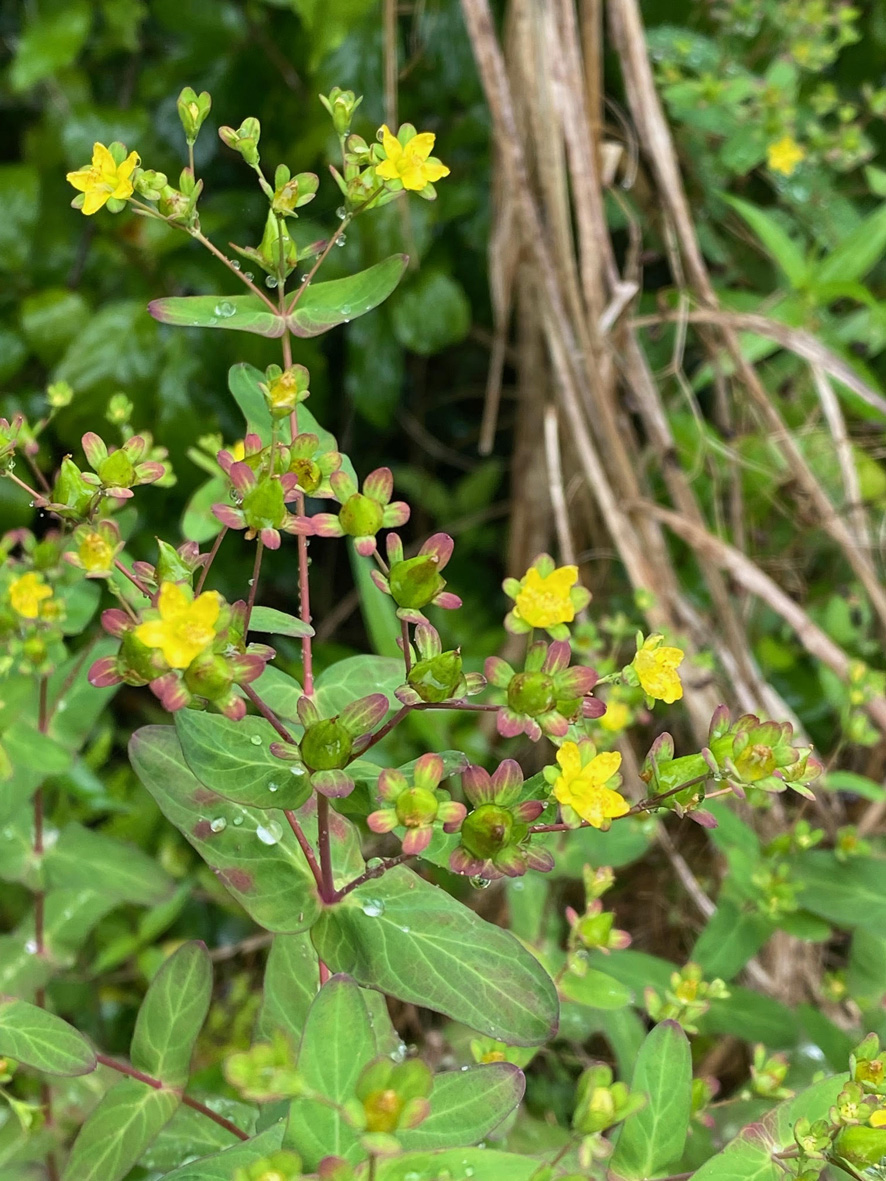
x=416 y=806
x=487 y=830
x=209 y=676
x=263 y=506
x=437 y=678
x=360 y=516
x=137 y=663
x=59 y=394
x=192 y=111
x=341 y=105
x=293 y=192
x=150 y=184
x=531 y=693
x=309 y=475
x=71 y=490
x=326 y=745
x=244 y=140
x=415 y=581
x=861 y=1146
x=119 y=410
x=116 y=471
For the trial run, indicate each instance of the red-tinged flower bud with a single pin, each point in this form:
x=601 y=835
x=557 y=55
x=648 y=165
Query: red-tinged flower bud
x=415 y=581
x=326 y=745
x=209 y=676
x=416 y=806
x=437 y=678
x=531 y=693
x=487 y=830
x=116 y=471
x=361 y=516
x=71 y=492
x=263 y=506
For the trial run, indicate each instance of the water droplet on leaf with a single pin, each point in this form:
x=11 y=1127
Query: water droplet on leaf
x=480 y=883
x=270 y=833
x=373 y=907
x=238 y=820
x=225 y=309
x=255 y=740
x=219 y=824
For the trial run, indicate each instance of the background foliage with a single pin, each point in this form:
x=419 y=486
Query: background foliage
x=785 y=904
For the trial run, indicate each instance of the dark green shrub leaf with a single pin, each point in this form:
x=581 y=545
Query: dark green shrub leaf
x=118 y=1131
x=42 y=1041
x=226 y=758
x=223 y=1165
x=431 y=314
x=336 y=1044
x=172 y=1015
x=290 y=985
x=466 y=1105
x=84 y=858
x=652 y=1140
x=484 y=1165
x=415 y=942
x=50 y=43
x=270 y=880
x=595 y=989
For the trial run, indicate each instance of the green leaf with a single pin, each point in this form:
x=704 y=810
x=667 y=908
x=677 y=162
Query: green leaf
x=849 y=894
x=277 y=623
x=357 y=676
x=290 y=985
x=225 y=757
x=782 y=249
x=860 y=785
x=466 y=1105
x=484 y=1164
x=732 y=937
x=856 y=254
x=272 y=882
x=652 y=1140
x=866 y=974
x=324 y=305
x=33 y=756
x=50 y=43
x=281 y=692
x=627 y=842
x=42 y=1041
x=237 y=313
x=198 y=521
x=190 y=1134
x=82 y=858
x=172 y=1015
x=756 y=1018
x=336 y=1045
x=119 y=1130
x=431 y=313
x=595 y=989
x=415 y=942
x=223 y=1165
x=751 y=1155
x=95 y=359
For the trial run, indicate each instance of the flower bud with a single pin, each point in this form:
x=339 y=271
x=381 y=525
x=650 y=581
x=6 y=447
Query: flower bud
x=531 y=693
x=862 y=1146
x=244 y=140
x=437 y=678
x=192 y=111
x=71 y=492
x=150 y=184
x=415 y=581
x=341 y=105
x=487 y=830
x=361 y=516
x=59 y=394
x=326 y=745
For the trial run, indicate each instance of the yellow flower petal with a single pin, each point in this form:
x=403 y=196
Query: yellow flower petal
x=81 y=179
x=392 y=147
x=602 y=767
x=413 y=175
x=102 y=159
x=422 y=144
x=387 y=170
x=204 y=610
x=172 y=602
x=569 y=758
x=151 y=633
x=27 y=593
x=544 y=600
x=435 y=171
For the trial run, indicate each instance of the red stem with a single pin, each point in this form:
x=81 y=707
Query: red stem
x=136 y=582
x=643 y=806
x=216 y=545
x=407 y=655
x=149 y=1081
x=253 y=585
x=304 y=604
x=327 y=886
x=375 y=872
x=268 y=714
x=305 y=845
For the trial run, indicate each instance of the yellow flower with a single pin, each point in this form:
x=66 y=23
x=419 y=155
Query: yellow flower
x=185 y=627
x=544 y=599
x=656 y=669
x=104 y=178
x=27 y=593
x=581 y=784
x=616 y=717
x=238 y=450
x=784 y=155
x=878 y=1118
x=95 y=553
x=410 y=163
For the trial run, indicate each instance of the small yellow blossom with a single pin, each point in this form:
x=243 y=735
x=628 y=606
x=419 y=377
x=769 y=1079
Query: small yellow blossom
x=238 y=450
x=104 y=178
x=27 y=593
x=544 y=600
x=95 y=553
x=878 y=1118
x=185 y=628
x=410 y=163
x=616 y=717
x=784 y=155
x=582 y=787
x=656 y=669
